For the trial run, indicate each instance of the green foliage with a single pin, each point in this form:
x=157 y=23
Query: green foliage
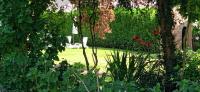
x=30 y=28
x=135 y=67
x=191 y=68
x=157 y=88
x=13 y=68
x=188 y=86
x=18 y=74
x=31 y=37
x=141 y=22
x=196 y=38
x=190 y=9
x=118 y=67
x=122 y=86
x=21 y=76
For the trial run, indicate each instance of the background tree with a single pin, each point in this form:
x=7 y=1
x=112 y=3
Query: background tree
x=29 y=36
x=189 y=8
x=97 y=14
x=26 y=28
x=168 y=46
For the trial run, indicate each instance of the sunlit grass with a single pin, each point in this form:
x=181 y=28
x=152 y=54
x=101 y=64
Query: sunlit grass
x=76 y=56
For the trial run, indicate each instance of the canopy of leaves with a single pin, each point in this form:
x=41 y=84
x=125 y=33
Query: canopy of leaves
x=27 y=28
x=96 y=13
x=190 y=9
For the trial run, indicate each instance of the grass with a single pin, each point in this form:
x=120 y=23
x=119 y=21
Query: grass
x=76 y=56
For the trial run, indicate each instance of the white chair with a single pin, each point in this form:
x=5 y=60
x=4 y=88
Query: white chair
x=85 y=39
x=69 y=39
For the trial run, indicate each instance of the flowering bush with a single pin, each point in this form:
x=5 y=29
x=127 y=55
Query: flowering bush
x=139 y=40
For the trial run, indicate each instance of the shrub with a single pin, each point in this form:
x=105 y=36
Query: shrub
x=196 y=39
x=187 y=86
x=138 y=22
x=127 y=23
x=136 y=67
x=192 y=66
x=18 y=75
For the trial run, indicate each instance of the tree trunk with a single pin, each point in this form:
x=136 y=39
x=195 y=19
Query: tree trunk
x=166 y=24
x=81 y=35
x=189 y=35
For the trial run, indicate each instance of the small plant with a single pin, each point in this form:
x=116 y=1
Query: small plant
x=157 y=88
x=133 y=67
x=188 y=86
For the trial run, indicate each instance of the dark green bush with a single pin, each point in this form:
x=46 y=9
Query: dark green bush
x=187 y=86
x=18 y=76
x=139 y=22
x=196 y=39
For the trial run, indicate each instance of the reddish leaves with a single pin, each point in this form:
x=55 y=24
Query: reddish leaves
x=148 y=44
x=135 y=37
x=106 y=15
x=141 y=41
x=156 y=31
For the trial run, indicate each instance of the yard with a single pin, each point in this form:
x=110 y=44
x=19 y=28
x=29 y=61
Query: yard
x=143 y=45
x=76 y=56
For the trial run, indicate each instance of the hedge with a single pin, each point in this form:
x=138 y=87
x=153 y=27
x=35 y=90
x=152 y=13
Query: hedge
x=139 y=22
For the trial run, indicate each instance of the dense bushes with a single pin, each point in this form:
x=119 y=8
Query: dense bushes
x=127 y=23
x=139 y=22
x=31 y=38
x=196 y=38
x=188 y=86
x=18 y=74
x=191 y=66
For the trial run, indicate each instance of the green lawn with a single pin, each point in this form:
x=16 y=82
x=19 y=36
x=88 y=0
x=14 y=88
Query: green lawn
x=75 y=55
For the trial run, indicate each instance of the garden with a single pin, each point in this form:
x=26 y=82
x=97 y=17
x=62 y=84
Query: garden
x=99 y=45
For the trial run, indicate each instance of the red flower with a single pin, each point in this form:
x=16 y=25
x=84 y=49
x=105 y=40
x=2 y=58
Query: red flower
x=135 y=37
x=156 y=32
x=141 y=42
x=148 y=44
